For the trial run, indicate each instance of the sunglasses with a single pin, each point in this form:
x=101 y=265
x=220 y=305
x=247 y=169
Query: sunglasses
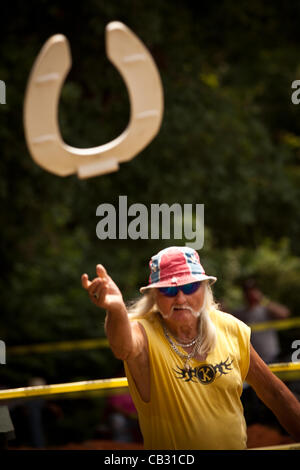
x=187 y=289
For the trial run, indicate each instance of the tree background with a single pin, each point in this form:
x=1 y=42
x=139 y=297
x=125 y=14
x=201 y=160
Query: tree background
x=230 y=139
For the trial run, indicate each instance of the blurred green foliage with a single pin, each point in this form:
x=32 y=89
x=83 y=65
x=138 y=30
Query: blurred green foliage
x=229 y=140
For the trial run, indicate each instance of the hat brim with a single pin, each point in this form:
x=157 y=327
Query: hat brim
x=180 y=282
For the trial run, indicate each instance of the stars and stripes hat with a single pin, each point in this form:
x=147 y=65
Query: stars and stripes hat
x=176 y=266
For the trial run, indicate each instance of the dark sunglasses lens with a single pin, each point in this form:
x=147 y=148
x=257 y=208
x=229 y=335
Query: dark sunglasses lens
x=188 y=289
x=169 y=291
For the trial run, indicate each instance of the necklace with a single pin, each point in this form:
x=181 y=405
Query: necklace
x=186 y=357
x=183 y=345
x=186 y=345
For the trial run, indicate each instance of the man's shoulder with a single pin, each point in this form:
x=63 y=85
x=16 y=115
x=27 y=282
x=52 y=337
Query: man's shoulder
x=149 y=322
x=227 y=320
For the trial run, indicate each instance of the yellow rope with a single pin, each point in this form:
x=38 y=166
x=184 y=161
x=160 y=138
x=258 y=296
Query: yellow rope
x=42 y=390
x=59 y=346
x=293 y=446
x=290 y=369
x=276 y=324
x=103 y=342
x=285 y=367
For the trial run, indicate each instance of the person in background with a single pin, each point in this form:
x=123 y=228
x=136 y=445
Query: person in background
x=34 y=411
x=6 y=428
x=259 y=309
x=7 y=431
x=123 y=419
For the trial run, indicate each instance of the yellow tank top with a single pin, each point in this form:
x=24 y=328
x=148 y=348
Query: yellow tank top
x=200 y=409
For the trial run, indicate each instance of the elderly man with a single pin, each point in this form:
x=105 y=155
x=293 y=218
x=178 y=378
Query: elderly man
x=185 y=360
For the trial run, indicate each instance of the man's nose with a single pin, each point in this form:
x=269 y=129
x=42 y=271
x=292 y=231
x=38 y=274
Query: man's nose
x=180 y=297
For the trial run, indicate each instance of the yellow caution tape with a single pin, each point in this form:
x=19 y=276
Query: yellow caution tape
x=276 y=324
x=286 y=371
x=285 y=367
x=59 y=346
x=292 y=446
x=111 y=384
x=42 y=390
x=103 y=342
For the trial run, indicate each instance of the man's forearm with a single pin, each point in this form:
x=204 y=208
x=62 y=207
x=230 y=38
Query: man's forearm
x=285 y=407
x=287 y=410
x=119 y=333
x=274 y=394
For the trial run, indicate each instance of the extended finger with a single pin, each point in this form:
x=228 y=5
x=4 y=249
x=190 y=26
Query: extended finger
x=85 y=281
x=101 y=271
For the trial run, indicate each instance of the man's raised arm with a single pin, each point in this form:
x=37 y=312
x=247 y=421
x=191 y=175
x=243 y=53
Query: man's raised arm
x=124 y=338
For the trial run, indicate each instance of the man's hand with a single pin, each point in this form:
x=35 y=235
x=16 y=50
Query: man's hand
x=103 y=291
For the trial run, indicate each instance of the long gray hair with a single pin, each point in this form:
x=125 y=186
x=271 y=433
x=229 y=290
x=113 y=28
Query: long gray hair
x=145 y=307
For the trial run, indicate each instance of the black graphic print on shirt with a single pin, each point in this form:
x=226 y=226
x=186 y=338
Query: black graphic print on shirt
x=205 y=374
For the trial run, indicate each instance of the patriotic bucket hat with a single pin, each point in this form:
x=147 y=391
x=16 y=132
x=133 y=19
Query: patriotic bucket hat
x=176 y=266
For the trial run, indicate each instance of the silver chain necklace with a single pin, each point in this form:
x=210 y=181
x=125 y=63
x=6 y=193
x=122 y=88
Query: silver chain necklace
x=186 y=345
x=186 y=357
